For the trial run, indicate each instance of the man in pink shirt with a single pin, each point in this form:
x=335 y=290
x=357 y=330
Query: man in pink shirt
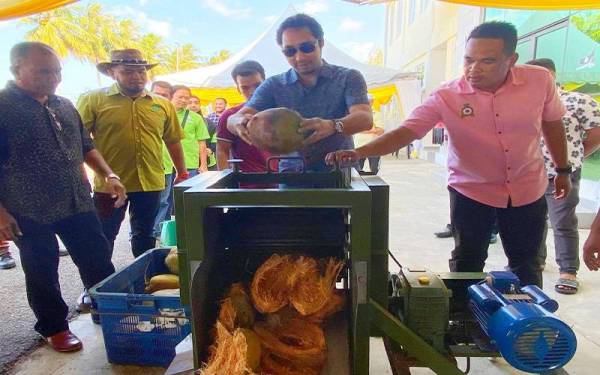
x=494 y=115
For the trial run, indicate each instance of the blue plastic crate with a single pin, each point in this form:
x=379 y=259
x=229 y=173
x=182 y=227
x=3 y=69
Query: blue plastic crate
x=139 y=328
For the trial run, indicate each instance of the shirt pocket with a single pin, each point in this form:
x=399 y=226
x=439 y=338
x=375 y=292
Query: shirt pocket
x=153 y=122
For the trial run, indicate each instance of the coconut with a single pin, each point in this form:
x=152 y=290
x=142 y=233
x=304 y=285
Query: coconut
x=276 y=130
x=236 y=309
x=172 y=261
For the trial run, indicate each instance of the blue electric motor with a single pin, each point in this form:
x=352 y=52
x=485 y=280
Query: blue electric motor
x=519 y=321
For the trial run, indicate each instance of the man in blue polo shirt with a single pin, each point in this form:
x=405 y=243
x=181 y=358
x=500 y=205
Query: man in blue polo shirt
x=332 y=99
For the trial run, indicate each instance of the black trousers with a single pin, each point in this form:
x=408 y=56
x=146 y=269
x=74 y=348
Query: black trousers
x=521 y=232
x=373 y=164
x=143 y=208
x=89 y=250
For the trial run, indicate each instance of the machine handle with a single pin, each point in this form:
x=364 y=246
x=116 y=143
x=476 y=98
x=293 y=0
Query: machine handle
x=234 y=164
x=280 y=158
x=342 y=165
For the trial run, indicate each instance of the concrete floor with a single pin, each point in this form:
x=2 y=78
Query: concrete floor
x=418 y=207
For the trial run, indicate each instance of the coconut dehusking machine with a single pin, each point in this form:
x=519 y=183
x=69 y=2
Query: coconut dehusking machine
x=230 y=222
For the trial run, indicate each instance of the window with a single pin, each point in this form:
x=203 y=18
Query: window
x=525 y=51
x=551 y=46
x=412 y=11
x=399 y=18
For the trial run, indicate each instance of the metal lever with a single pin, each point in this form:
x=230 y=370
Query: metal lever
x=234 y=164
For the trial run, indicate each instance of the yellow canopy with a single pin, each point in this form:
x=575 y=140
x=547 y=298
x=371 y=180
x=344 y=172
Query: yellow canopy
x=20 y=8
x=381 y=95
x=532 y=4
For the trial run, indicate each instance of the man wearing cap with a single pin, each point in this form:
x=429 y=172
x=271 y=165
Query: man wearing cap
x=128 y=125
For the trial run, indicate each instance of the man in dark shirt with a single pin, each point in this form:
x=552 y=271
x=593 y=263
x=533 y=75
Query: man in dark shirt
x=248 y=75
x=332 y=99
x=44 y=191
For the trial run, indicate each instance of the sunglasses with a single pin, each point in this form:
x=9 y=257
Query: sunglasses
x=306 y=47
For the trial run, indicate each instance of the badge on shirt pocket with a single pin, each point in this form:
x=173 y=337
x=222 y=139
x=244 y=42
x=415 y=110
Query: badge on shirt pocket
x=155 y=107
x=467 y=111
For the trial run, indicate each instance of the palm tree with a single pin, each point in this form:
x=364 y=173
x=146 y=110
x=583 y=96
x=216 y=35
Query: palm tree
x=105 y=29
x=154 y=50
x=86 y=33
x=89 y=34
x=181 y=58
x=588 y=23
x=218 y=57
x=60 y=28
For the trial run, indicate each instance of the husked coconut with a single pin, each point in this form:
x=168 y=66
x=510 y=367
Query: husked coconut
x=276 y=130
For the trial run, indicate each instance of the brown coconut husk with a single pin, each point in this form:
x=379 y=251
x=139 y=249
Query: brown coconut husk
x=236 y=309
x=334 y=304
x=271 y=284
x=295 y=340
x=313 y=286
x=272 y=364
x=229 y=354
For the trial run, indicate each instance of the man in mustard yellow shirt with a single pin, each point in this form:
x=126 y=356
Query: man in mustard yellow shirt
x=128 y=126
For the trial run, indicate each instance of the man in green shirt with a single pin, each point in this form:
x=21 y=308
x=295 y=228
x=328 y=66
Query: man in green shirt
x=194 y=151
x=128 y=126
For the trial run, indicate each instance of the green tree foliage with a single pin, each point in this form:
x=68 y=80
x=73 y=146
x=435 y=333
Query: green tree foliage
x=88 y=33
x=588 y=23
x=218 y=57
x=376 y=57
x=182 y=57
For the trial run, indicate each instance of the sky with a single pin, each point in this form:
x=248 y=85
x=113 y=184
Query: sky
x=212 y=25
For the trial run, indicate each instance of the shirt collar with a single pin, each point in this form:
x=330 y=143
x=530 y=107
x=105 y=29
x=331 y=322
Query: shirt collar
x=53 y=100
x=114 y=90
x=514 y=77
x=325 y=71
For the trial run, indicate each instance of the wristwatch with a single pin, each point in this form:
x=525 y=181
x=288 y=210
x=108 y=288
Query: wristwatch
x=564 y=171
x=112 y=175
x=338 y=125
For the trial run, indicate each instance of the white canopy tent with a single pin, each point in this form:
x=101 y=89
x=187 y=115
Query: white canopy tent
x=215 y=80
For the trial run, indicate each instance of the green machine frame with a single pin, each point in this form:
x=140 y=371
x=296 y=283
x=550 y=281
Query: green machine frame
x=367 y=200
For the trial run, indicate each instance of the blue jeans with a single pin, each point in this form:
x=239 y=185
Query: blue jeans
x=83 y=237
x=143 y=207
x=165 y=207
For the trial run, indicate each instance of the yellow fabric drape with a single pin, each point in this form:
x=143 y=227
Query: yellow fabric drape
x=381 y=95
x=532 y=4
x=20 y=8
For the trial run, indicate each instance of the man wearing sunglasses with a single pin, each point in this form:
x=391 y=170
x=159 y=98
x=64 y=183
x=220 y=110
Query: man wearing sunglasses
x=331 y=99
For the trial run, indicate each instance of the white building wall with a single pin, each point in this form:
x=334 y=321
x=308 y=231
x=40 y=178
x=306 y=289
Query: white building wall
x=430 y=39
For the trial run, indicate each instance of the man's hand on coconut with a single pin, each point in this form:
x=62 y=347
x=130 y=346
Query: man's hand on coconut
x=241 y=130
x=319 y=127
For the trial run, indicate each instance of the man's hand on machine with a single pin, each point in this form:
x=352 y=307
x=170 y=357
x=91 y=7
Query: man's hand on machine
x=342 y=157
x=181 y=177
